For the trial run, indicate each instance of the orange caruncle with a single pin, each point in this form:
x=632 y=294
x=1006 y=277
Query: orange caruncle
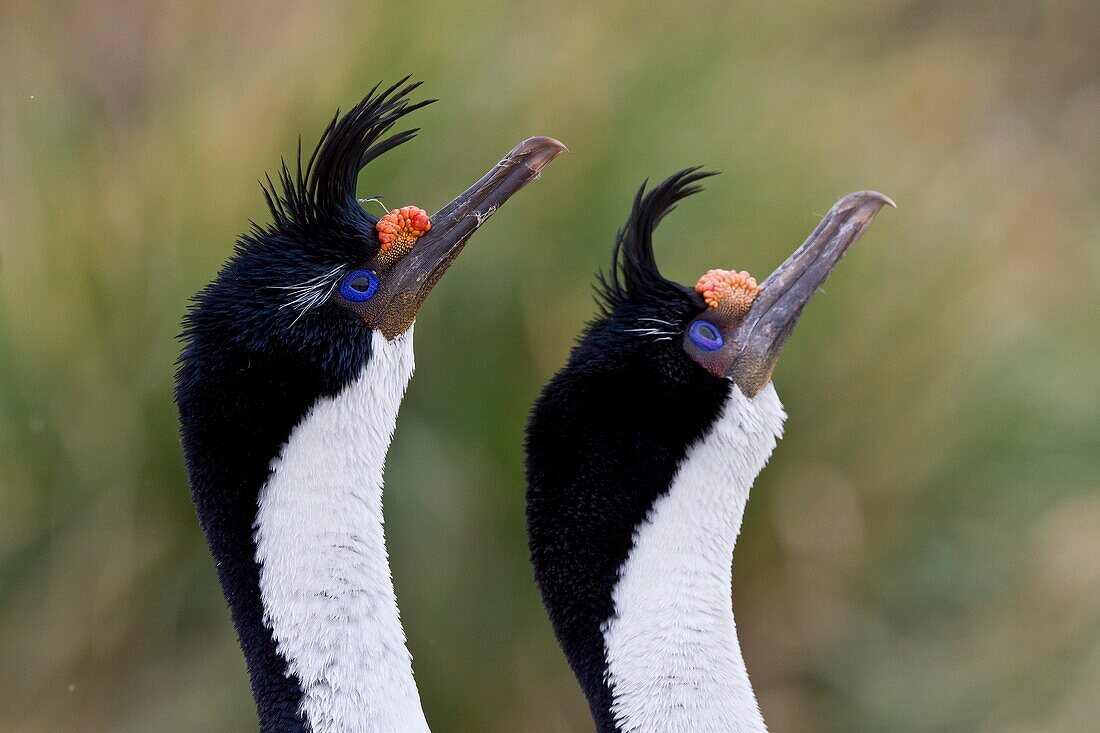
x=398 y=231
x=728 y=291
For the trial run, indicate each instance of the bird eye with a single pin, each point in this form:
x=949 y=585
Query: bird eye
x=705 y=335
x=359 y=285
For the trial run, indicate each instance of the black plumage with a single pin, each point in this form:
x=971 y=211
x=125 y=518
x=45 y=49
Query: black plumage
x=608 y=433
x=607 y=439
x=258 y=354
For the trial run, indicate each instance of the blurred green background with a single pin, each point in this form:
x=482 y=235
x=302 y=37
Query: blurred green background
x=923 y=552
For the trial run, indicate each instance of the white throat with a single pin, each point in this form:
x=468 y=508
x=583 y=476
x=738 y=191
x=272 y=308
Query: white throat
x=674 y=661
x=324 y=571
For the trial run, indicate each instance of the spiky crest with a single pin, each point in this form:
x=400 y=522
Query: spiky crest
x=323 y=189
x=634 y=270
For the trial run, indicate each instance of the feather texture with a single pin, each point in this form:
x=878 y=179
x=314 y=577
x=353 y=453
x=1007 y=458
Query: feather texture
x=634 y=272
x=323 y=188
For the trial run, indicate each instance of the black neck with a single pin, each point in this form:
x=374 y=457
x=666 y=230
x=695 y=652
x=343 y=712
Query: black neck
x=601 y=450
x=236 y=411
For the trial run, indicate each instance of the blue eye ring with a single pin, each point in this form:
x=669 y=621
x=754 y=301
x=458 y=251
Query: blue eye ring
x=705 y=335
x=359 y=286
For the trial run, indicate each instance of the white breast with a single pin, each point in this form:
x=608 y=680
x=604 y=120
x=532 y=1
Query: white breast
x=674 y=662
x=324 y=571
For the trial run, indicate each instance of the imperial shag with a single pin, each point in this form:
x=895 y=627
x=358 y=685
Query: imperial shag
x=295 y=363
x=641 y=453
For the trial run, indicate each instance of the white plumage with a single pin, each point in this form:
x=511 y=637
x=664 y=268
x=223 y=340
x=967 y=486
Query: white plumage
x=674 y=661
x=324 y=570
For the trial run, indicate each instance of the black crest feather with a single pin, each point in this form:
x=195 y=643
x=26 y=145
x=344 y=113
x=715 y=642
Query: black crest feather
x=323 y=188
x=634 y=270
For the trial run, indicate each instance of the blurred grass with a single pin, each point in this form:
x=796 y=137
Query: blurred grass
x=923 y=553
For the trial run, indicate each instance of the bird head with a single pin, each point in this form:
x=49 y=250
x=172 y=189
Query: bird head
x=298 y=315
x=645 y=391
x=728 y=326
x=313 y=284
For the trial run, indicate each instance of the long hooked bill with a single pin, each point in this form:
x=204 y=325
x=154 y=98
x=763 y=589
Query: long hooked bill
x=753 y=346
x=413 y=276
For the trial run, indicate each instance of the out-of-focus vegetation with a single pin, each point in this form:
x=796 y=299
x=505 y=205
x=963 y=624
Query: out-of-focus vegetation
x=923 y=553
